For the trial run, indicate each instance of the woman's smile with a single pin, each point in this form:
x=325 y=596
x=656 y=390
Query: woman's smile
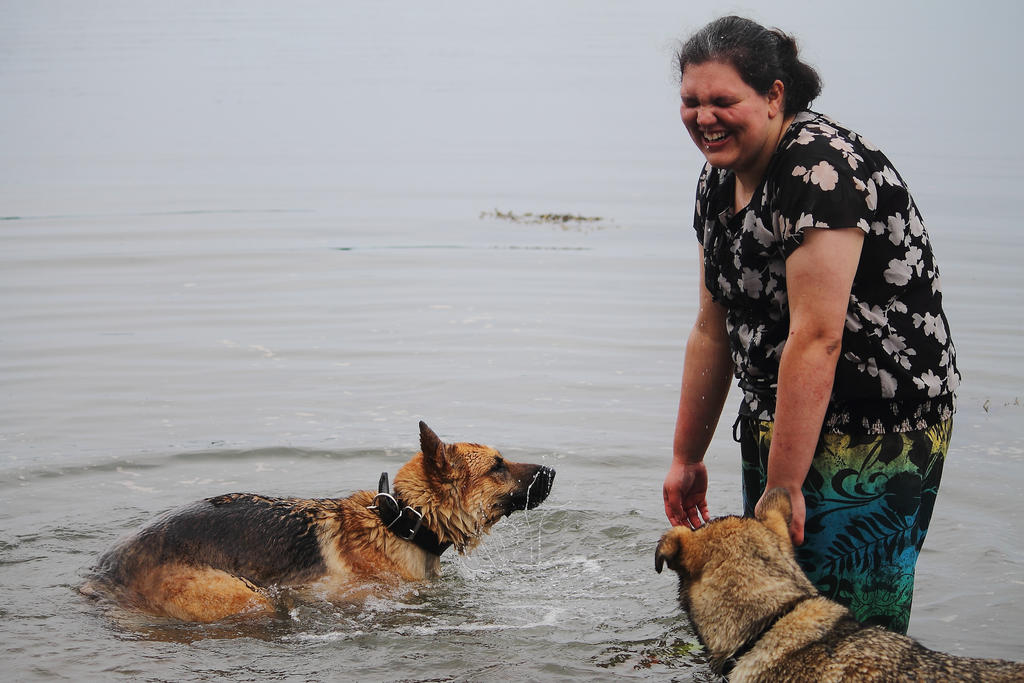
x=714 y=138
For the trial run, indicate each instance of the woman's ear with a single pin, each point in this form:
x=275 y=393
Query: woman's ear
x=776 y=99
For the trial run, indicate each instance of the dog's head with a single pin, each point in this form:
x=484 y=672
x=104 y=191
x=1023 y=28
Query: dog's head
x=462 y=489
x=687 y=551
x=734 y=572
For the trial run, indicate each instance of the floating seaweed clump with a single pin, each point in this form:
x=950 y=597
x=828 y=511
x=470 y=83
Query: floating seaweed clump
x=564 y=219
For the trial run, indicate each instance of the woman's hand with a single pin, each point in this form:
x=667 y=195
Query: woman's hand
x=685 y=492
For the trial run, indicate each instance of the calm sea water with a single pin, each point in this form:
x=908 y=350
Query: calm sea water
x=248 y=245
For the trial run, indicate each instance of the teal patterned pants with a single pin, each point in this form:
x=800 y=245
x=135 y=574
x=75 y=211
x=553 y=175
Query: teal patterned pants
x=869 y=501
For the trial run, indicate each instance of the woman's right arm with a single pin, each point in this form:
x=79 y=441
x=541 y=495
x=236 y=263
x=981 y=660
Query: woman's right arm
x=707 y=372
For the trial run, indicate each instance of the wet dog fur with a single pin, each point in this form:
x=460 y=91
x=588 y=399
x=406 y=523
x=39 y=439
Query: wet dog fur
x=227 y=555
x=759 y=616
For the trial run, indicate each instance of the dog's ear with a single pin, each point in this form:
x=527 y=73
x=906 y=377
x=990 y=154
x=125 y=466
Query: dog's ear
x=434 y=450
x=673 y=550
x=776 y=512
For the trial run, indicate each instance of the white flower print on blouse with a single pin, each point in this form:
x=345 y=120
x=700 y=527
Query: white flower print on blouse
x=932 y=325
x=893 y=227
x=931 y=382
x=755 y=226
x=822 y=174
x=898 y=272
x=846 y=148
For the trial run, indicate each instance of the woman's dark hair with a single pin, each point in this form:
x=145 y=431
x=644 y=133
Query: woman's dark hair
x=760 y=56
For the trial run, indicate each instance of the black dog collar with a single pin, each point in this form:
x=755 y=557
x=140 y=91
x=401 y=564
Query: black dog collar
x=730 y=662
x=403 y=520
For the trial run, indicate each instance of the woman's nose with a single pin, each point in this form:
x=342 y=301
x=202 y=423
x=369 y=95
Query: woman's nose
x=705 y=116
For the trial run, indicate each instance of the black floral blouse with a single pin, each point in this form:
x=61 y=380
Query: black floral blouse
x=897 y=369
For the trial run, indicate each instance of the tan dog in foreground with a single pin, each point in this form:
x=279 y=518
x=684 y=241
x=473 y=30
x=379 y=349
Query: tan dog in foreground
x=761 y=619
x=227 y=555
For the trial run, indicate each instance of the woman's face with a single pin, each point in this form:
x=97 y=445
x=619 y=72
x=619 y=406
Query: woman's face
x=735 y=127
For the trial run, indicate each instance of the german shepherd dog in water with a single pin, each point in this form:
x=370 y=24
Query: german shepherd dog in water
x=227 y=555
x=761 y=619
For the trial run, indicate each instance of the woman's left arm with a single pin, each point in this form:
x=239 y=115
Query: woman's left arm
x=819 y=277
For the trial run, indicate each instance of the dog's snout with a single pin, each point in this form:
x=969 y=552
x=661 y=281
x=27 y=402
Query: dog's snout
x=541 y=486
x=546 y=476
